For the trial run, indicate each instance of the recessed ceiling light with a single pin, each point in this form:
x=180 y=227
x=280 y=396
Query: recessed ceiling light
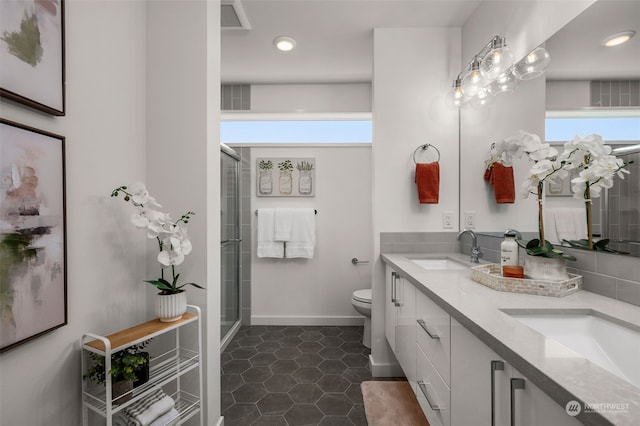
x=619 y=38
x=284 y=43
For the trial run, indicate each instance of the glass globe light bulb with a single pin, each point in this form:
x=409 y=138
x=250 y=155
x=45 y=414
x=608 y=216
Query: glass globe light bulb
x=455 y=97
x=483 y=98
x=533 y=65
x=497 y=61
x=472 y=82
x=504 y=84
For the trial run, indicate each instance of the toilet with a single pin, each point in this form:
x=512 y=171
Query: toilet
x=361 y=301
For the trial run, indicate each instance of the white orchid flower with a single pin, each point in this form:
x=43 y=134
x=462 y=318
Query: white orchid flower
x=140 y=195
x=170 y=257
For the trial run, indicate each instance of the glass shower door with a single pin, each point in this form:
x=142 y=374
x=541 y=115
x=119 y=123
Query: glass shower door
x=230 y=240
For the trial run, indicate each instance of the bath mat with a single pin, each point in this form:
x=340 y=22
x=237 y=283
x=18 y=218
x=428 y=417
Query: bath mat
x=391 y=403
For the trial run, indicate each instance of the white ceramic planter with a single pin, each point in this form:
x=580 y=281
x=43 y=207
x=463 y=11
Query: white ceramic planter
x=545 y=268
x=170 y=307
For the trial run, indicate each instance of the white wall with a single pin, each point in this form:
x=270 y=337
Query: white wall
x=318 y=291
x=412 y=71
x=525 y=24
x=105 y=147
x=271 y=98
x=568 y=94
x=183 y=152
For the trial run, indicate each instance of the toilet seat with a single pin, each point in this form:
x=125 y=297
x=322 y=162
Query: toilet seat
x=362 y=296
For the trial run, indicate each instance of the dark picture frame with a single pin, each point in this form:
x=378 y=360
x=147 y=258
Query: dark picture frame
x=32 y=54
x=33 y=243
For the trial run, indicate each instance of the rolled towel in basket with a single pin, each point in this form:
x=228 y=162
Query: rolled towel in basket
x=428 y=181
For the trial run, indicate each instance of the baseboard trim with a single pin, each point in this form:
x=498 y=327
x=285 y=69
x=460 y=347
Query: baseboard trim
x=384 y=370
x=220 y=421
x=306 y=320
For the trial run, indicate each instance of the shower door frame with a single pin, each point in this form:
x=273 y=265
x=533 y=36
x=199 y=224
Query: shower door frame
x=226 y=338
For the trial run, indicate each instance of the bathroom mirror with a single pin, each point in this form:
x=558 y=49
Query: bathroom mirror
x=572 y=68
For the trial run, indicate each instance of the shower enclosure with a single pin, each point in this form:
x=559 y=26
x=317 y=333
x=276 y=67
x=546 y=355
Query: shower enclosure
x=230 y=243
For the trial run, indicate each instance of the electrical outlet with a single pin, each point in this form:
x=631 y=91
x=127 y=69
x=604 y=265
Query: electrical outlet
x=447 y=220
x=470 y=220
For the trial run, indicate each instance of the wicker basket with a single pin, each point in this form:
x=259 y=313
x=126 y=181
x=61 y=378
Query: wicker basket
x=490 y=275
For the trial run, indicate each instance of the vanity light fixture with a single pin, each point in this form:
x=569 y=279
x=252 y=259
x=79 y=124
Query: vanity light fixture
x=618 y=38
x=284 y=43
x=492 y=72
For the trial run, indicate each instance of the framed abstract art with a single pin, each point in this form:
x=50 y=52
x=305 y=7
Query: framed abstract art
x=32 y=53
x=33 y=284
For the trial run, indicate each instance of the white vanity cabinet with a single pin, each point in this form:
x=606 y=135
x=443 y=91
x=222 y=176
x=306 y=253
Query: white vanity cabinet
x=487 y=390
x=400 y=322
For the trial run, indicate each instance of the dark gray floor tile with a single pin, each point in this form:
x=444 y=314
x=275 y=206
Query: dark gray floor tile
x=336 y=421
x=332 y=353
x=257 y=374
x=355 y=360
x=284 y=366
x=250 y=341
x=268 y=346
x=352 y=347
x=333 y=383
x=241 y=414
x=288 y=352
x=310 y=347
x=263 y=359
x=292 y=331
x=357 y=375
x=290 y=341
x=306 y=393
x=254 y=330
x=280 y=383
x=270 y=421
x=357 y=416
x=329 y=341
x=272 y=336
x=226 y=401
x=330 y=331
x=311 y=336
x=354 y=393
x=236 y=366
x=230 y=382
x=307 y=375
x=335 y=404
x=275 y=403
x=249 y=392
x=309 y=360
x=243 y=353
x=332 y=366
x=303 y=415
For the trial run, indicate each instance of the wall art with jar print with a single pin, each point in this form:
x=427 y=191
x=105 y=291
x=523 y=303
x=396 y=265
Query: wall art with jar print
x=285 y=177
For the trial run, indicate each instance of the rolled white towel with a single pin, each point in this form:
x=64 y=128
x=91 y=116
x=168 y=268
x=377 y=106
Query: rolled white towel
x=146 y=410
x=166 y=418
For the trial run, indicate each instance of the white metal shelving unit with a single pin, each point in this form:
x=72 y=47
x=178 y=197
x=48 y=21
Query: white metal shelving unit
x=167 y=369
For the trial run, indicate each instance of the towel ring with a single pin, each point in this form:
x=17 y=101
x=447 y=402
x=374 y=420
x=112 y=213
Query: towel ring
x=425 y=147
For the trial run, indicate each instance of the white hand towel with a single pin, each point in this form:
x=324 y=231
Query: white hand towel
x=303 y=234
x=283 y=224
x=570 y=224
x=267 y=246
x=550 y=231
x=146 y=410
x=166 y=419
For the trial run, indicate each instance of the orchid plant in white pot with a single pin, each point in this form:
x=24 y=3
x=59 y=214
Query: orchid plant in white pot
x=173 y=244
x=598 y=167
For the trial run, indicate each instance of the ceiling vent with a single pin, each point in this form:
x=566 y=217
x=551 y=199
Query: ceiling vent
x=615 y=93
x=232 y=16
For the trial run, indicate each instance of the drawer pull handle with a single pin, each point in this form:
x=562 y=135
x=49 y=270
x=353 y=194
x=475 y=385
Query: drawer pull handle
x=495 y=366
x=515 y=385
x=423 y=387
x=433 y=335
x=394 y=289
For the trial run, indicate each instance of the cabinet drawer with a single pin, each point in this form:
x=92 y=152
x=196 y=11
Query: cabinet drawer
x=432 y=392
x=434 y=334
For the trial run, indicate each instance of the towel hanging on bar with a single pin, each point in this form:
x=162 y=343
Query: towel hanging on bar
x=314 y=211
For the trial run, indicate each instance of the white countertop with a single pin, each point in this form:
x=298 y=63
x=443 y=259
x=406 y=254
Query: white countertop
x=564 y=378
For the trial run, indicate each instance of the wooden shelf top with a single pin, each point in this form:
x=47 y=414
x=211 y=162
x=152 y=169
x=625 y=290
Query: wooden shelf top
x=139 y=332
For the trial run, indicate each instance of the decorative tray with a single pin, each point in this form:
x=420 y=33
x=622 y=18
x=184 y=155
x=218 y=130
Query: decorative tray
x=491 y=276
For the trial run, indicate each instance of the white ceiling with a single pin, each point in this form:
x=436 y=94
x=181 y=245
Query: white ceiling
x=576 y=50
x=335 y=39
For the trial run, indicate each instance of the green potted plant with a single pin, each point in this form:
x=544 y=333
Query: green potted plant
x=129 y=369
x=173 y=245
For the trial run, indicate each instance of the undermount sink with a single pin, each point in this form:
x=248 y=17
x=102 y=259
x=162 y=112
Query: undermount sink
x=439 y=263
x=610 y=343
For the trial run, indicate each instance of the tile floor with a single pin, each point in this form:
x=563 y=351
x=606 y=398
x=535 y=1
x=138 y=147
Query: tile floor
x=294 y=376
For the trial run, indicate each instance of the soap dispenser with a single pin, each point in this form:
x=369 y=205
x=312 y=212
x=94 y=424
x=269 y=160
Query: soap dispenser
x=509 y=251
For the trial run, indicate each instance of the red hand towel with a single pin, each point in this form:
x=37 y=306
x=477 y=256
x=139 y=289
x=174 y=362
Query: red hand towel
x=502 y=181
x=428 y=182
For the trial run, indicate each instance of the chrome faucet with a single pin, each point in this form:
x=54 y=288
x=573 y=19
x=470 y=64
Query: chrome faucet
x=515 y=231
x=475 y=250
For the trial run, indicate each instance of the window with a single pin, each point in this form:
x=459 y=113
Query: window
x=613 y=126
x=323 y=131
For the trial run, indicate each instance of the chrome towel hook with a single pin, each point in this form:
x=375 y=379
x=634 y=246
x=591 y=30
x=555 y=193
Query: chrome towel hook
x=425 y=147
